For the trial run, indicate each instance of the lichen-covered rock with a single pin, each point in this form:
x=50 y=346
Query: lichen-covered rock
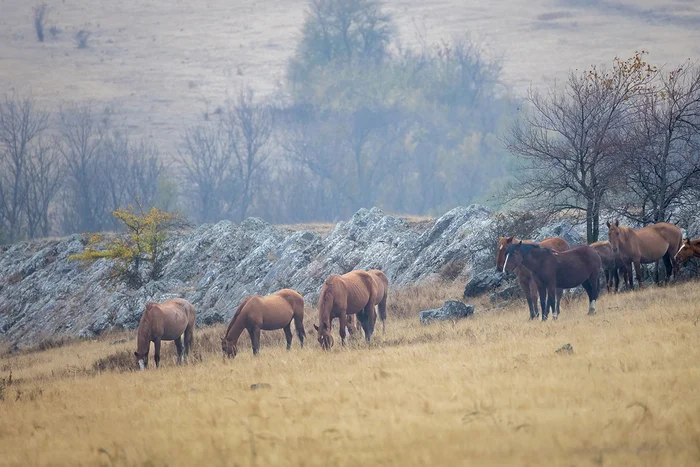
x=43 y=293
x=562 y=229
x=485 y=281
x=451 y=310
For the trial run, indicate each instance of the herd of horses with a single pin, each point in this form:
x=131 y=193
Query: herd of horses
x=543 y=269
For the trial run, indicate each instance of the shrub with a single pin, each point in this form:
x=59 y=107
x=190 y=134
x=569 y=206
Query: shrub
x=144 y=242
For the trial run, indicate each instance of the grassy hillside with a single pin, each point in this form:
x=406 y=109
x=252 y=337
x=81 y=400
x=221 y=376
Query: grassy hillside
x=488 y=390
x=165 y=64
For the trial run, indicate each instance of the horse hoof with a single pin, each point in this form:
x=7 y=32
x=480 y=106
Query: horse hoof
x=591 y=313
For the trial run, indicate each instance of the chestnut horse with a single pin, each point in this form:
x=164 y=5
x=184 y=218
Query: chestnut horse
x=382 y=295
x=353 y=293
x=525 y=279
x=689 y=249
x=646 y=245
x=578 y=266
x=612 y=266
x=269 y=313
x=166 y=321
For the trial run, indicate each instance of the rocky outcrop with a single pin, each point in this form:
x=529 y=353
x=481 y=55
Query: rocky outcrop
x=451 y=310
x=43 y=293
x=485 y=281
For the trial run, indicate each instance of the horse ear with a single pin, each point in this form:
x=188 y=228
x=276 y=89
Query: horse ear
x=510 y=239
x=617 y=222
x=136 y=354
x=687 y=240
x=316 y=327
x=521 y=242
x=607 y=223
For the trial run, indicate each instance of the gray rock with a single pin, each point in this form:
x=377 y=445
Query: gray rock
x=510 y=292
x=43 y=293
x=562 y=229
x=451 y=310
x=483 y=282
x=565 y=349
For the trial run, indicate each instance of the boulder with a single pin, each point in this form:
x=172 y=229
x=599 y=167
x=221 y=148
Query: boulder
x=451 y=310
x=510 y=292
x=485 y=281
x=562 y=229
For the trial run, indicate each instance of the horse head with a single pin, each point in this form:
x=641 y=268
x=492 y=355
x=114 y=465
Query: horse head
x=514 y=255
x=614 y=234
x=141 y=359
x=324 y=336
x=688 y=250
x=228 y=348
x=503 y=244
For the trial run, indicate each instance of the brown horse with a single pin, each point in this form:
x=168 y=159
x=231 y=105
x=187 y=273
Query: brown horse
x=269 y=313
x=353 y=293
x=612 y=266
x=382 y=295
x=525 y=279
x=646 y=245
x=166 y=321
x=578 y=266
x=689 y=249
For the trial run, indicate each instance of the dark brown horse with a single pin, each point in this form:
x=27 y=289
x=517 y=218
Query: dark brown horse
x=382 y=295
x=353 y=293
x=612 y=266
x=166 y=321
x=646 y=245
x=578 y=266
x=689 y=249
x=269 y=313
x=525 y=279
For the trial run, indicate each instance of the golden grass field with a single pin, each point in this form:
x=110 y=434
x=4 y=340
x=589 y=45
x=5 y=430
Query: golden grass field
x=487 y=390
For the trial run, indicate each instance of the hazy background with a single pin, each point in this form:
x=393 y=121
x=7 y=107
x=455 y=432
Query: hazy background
x=414 y=125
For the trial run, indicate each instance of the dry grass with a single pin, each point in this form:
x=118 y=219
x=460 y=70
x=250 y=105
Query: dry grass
x=488 y=390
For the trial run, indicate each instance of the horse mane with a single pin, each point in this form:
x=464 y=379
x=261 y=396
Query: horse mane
x=237 y=313
x=326 y=295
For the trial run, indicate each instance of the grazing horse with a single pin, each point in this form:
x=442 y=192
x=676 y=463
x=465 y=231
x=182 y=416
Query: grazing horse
x=382 y=295
x=689 y=249
x=166 y=321
x=525 y=279
x=269 y=313
x=612 y=265
x=578 y=266
x=353 y=293
x=646 y=245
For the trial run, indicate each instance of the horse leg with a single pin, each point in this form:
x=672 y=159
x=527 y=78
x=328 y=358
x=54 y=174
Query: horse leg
x=608 y=279
x=368 y=317
x=189 y=340
x=156 y=351
x=638 y=272
x=255 y=338
x=543 y=300
x=628 y=276
x=299 y=326
x=616 y=277
x=669 y=266
x=551 y=301
x=288 y=335
x=382 y=313
x=343 y=325
x=560 y=293
x=531 y=292
x=178 y=346
x=588 y=286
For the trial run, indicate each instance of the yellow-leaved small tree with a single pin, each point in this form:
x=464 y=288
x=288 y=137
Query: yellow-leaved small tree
x=144 y=242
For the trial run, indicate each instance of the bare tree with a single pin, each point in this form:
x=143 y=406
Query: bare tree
x=21 y=124
x=45 y=178
x=566 y=140
x=662 y=149
x=82 y=136
x=249 y=125
x=207 y=160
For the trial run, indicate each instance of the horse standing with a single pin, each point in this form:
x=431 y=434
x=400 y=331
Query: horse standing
x=269 y=313
x=646 y=245
x=689 y=249
x=612 y=265
x=382 y=295
x=551 y=270
x=166 y=321
x=353 y=293
x=525 y=279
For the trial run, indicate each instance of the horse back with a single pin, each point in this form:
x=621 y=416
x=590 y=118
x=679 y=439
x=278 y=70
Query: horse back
x=555 y=244
x=361 y=289
x=657 y=239
x=382 y=283
x=576 y=265
x=605 y=252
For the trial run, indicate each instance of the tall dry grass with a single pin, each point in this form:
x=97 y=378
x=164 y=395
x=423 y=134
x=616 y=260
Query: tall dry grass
x=487 y=390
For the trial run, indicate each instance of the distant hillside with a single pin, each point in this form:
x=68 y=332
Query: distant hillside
x=167 y=63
